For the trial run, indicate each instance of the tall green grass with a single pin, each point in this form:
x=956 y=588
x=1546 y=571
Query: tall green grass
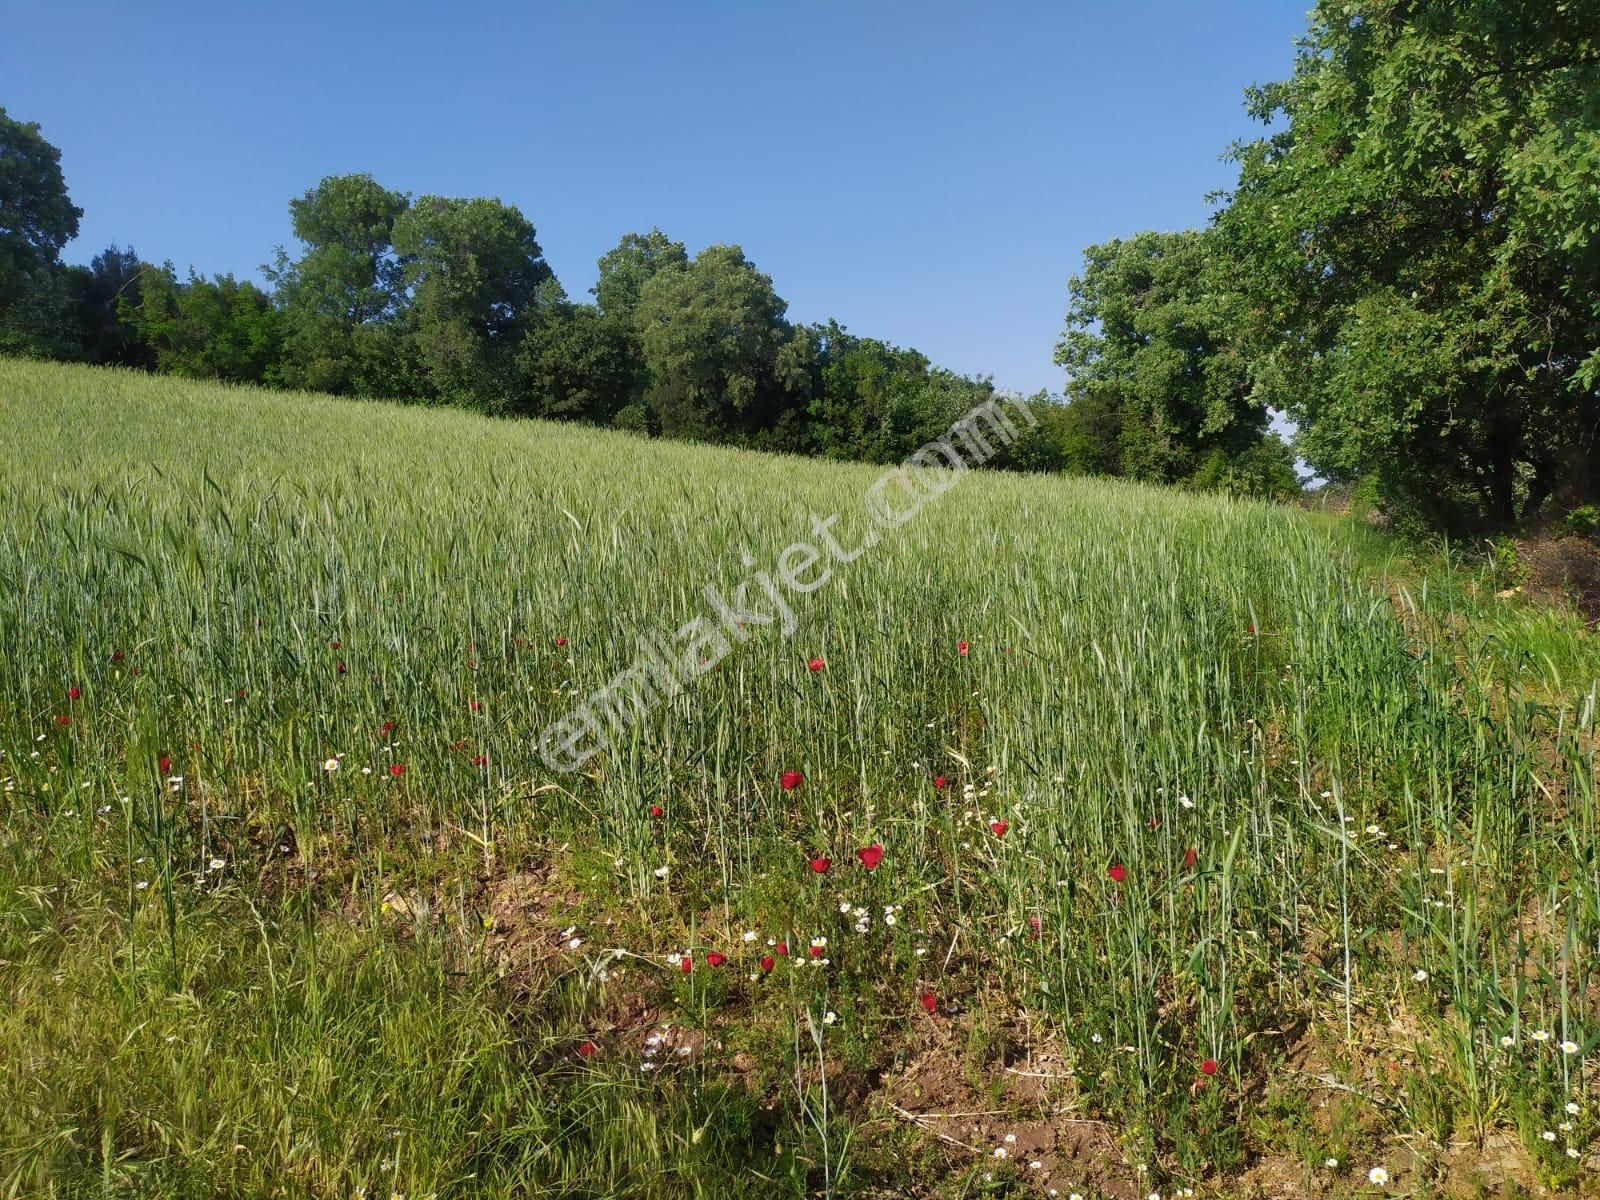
x=1148 y=674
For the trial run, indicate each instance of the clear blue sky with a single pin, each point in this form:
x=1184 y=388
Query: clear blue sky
x=928 y=173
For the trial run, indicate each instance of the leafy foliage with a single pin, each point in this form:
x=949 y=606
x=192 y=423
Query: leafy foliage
x=579 y=363
x=625 y=270
x=1420 y=249
x=37 y=217
x=451 y=300
x=1149 y=344
x=477 y=277
x=344 y=299
x=721 y=357
x=200 y=328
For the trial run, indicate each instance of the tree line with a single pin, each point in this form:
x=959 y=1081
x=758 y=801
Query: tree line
x=1408 y=266
x=441 y=300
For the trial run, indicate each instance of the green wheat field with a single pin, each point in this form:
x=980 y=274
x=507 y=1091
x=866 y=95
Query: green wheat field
x=1211 y=848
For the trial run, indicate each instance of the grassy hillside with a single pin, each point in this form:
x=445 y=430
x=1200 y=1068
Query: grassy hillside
x=1207 y=860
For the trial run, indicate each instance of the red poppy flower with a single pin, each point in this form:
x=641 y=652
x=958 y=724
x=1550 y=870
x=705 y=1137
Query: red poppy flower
x=791 y=780
x=781 y=949
x=480 y=760
x=930 y=1002
x=475 y=705
x=117 y=656
x=1155 y=822
x=1191 y=857
x=715 y=958
x=74 y=692
x=164 y=763
x=397 y=769
x=243 y=693
x=1118 y=872
x=821 y=865
x=815 y=665
x=341 y=668
x=334 y=645
x=768 y=962
x=961 y=649
x=561 y=641
x=63 y=719
x=870 y=856
x=998 y=827
x=940 y=782
x=657 y=811
x=686 y=964
x=1036 y=925
x=386 y=727
x=818 y=951
x=587 y=1050
x=1252 y=631
x=1209 y=1067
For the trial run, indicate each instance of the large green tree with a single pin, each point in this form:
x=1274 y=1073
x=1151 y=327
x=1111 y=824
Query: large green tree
x=37 y=217
x=577 y=363
x=103 y=292
x=866 y=388
x=344 y=299
x=1418 y=244
x=1151 y=355
x=478 y=279
x=627 y=267
x=724 y=364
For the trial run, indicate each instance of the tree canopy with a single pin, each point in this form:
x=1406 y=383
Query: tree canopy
x=344 y=299
x=1150 y=345
x=1418 y=247
x=37 y=217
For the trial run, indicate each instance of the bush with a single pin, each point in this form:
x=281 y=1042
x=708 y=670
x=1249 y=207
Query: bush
x=1264 y=471
x=1584 y=521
